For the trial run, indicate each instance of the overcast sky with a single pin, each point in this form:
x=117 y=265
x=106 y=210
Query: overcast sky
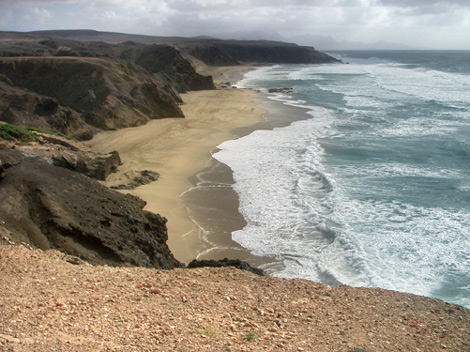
x=438 y=24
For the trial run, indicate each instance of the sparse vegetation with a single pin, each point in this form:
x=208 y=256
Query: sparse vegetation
x=53 y=132
x=250 y=336
x=23 y=134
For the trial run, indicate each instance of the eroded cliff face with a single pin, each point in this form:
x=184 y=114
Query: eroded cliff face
x=166 y=62
x=232 y=52
x=79 y=96
x=49 y=206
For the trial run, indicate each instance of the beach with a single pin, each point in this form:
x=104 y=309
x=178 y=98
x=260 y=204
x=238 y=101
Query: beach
x=179 y=149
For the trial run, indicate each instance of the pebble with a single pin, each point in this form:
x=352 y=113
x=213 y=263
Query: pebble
x=10 y=338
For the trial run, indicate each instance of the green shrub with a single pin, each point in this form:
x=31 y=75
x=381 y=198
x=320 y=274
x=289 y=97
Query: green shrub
x=250 y=336
x=10 y=132
x=24 y=134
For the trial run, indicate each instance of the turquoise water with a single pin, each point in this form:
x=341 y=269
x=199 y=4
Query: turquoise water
x=374 y=189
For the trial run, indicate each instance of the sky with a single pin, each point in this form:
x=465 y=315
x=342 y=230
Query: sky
x=424 y=24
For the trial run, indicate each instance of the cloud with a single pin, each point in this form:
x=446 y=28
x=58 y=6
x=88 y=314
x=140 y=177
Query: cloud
x=424 y=3
x=411 y=21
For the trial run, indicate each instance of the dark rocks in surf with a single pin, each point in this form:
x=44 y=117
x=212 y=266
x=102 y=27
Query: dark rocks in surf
x=280 y=90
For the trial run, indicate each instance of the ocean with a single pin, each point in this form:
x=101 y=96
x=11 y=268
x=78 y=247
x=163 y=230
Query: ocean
x=373 y=189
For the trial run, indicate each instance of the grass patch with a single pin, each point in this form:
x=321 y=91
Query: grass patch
x=250 y=336
x=10 y=133
x=53 y=132
x=24 y=134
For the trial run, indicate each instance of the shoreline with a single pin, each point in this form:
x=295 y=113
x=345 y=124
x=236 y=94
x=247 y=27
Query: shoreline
x=200 y=219
x=178 y=149
x=214 y=205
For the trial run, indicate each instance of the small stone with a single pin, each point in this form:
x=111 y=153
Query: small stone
x=10 y=338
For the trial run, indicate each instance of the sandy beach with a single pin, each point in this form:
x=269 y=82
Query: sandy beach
x=178 y=149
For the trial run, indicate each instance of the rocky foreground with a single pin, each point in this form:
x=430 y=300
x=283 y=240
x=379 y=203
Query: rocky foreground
x=53 y=302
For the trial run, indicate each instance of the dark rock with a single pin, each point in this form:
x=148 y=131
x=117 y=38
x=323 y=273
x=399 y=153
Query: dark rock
x=223 y=263
x=91 y=164
x=280 y=90
x=141 y=178
x=52 y=207
x=165 y=59
x=71 y=155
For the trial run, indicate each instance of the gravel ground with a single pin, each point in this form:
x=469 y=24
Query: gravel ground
x=51 y=302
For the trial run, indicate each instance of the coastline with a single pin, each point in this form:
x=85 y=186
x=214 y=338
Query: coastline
x=200 y=218
x=178 y=149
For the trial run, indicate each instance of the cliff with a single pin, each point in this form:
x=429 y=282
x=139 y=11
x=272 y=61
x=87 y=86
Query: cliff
x=232 y=52
x=158 y=59
x=79 y=88
x=214 y=52
x=78 y=96
x=46 y=201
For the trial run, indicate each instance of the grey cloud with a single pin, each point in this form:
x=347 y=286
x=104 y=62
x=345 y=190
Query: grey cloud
x=414 y=21
x=425 y=3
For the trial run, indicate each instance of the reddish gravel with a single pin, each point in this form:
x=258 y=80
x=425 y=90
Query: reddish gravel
x=50 y=304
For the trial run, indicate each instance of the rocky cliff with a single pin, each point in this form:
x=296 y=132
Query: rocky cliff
x=233 y=52
x=210 y=51
x=79 y=87
x=78 y=96
x=48 y=206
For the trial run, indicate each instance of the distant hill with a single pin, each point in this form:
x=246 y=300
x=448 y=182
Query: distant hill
x=211 y=51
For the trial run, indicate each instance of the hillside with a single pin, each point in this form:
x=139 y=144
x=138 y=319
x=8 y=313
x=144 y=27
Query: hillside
x=78 y=307
x=77 y=96
x=79 y=88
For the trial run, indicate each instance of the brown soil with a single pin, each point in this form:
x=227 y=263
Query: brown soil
x=50 y=304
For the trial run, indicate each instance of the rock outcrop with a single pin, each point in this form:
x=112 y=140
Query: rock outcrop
x=79 y=96
x=47 y=206
x=225 y=263
x=136 y=179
